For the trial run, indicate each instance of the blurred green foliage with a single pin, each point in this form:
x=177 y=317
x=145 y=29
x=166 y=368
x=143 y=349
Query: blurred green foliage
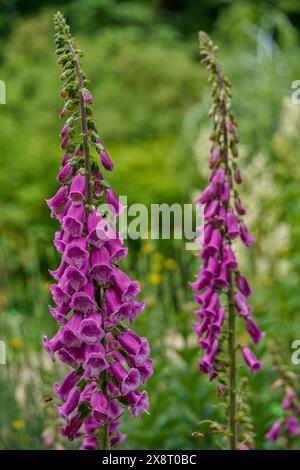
x=151 y=102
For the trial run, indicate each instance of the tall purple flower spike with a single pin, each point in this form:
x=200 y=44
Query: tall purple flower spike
x=93 y=298
x=221 y=291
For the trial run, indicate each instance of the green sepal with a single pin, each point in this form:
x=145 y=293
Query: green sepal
x=84 y=409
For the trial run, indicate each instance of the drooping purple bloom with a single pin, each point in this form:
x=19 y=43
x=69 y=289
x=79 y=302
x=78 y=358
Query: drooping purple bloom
x=77 y=190
x=292 y=426
x=106 y=161
x=251 y=361
x=254 y=331
x=274 y=432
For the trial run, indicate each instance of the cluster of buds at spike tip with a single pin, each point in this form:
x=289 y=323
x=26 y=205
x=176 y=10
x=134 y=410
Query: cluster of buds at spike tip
x=220 y=278
x=287 y=425
x=95 y=301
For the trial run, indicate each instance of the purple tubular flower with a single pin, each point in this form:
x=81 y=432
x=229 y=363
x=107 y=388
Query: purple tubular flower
x=58 y=199
x=245 y=237
x=83 y=301
x=242 y=305
x=87 y=97
x=254 y=331
x=77 y=190
x=225 y=195
x=65 y=142
x=66 y=158
x=134 y=346
x=243 y=286
x=76 y=253
x=59 y=295
x=98 y=186
x=59 y=313
x=274 y=432
x=114 y=304
x=63 y=112
x=145 y=370
x=207 y=194
x=286 y=404
x=232 y=225
x=65 y=173
x=139 y=403
x=100 y=268
x=91 y=295
x=68 y=358
x=73 y=279
x=219 y=177
x=126 y=289
x=211 y=209
x=70 y=405
x=291 y=394
x=238 y=205
x=94 y=364
x=63 y=212
x=229 y=258
x=216 y=327
x=292 y=426
x=53 y=345
x=97 y=234
x=214 y=158
x=62 y=391
x=251 y=361
x=221 y=280
x=99 y=405
x=90 y=330
x=237 y=176
x=113 y=201
x=72 y=222
x=106 y=161
x=206 y=363
x=57 y=273
x=64 y=131
x=214 y=244
x=89 y=443
x=71 y=430
x=211 y=268
x=129 y=380
x=116 y=250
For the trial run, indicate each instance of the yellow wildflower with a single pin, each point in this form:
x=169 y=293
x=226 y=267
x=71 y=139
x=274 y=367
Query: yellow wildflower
x=148 y=248
x=154 y=279
x=170 y=264
x=46 y=286
x=16 y=343
x=18 y=424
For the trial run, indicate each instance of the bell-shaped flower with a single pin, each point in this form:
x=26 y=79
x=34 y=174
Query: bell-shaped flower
x=77 y=190
x=72 y=221
x=251 y=361
x=100 y=266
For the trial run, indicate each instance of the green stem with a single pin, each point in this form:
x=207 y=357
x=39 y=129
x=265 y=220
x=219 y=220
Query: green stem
x=230 y=295
x=84 y=126
x=103 y=443
x=232 y=368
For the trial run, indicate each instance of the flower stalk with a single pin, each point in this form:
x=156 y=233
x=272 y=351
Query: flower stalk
x=84 y=126
x=94 y=299
x=221 y=291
